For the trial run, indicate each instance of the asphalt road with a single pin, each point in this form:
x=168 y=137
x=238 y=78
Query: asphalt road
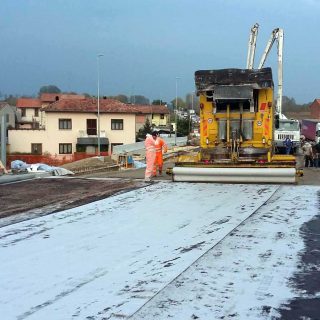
x=168 y=250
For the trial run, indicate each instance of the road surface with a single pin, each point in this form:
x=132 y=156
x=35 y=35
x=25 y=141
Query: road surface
x=183 y=251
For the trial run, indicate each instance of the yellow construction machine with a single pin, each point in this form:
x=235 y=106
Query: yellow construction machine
x=237 y=121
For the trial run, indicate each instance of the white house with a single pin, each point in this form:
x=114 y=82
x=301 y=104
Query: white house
x=71 y=125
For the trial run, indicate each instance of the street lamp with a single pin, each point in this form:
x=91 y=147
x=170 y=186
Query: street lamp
x=175 y=117
x=98 y=99
x=191 y=113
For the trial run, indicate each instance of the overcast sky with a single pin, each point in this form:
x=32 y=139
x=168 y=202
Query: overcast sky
x=148 y=43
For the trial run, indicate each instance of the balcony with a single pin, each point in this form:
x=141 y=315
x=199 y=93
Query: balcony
x=92 y=140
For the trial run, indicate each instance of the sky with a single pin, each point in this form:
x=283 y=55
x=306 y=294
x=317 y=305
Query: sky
x=148 y=44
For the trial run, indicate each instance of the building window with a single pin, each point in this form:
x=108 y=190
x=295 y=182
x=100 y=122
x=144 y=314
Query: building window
x=65 y=148
x=65 y=124
x=152 y=116
x=161 y=116
x=92 y=127
x=23 y=112
x=7 y=118
x=116 y=124
x=36 y=112
x=36 y=148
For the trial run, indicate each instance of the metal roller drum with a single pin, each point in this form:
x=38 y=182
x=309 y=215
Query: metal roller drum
x=236 y=175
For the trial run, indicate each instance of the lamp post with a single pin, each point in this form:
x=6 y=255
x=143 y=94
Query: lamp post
x=175 y=116
x=98 y=99
x=191 y=114
x=3 y=141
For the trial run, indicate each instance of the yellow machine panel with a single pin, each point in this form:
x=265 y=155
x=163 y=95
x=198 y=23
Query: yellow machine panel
x=236 y=129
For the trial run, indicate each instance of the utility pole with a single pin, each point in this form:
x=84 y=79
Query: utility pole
x=3 y=141
x=176 y=111
x=98 y=67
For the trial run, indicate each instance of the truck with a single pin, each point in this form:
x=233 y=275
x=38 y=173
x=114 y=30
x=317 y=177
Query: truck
x=310 y=129
x=286 y=128
x=238 y=119
x=236 y=131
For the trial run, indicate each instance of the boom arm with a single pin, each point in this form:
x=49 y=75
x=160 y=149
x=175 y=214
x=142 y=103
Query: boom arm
x=277 y=34
x=252 y=46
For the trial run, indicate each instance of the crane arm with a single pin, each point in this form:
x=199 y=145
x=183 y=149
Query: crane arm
x=252 y=46
x=277 y=34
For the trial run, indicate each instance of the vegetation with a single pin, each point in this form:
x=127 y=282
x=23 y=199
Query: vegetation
x=183 y=126
x=191 y=101
x=181 y=104
x=49 y=89
x=158 y=102
x=138 y=99
x=147 y=128
x=120 y=97
x=11 y=100
x=290 y=105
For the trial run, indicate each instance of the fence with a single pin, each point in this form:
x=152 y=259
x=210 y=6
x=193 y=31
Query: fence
x=56 y=160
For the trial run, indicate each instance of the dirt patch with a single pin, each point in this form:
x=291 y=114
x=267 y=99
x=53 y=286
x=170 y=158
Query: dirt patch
x=92 y=163
x=52 y=195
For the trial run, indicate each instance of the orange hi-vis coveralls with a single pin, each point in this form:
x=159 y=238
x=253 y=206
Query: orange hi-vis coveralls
x=161 y=146
x=150 y=156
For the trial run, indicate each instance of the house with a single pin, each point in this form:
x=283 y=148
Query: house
x=29 y=115
x=315 y=109
x=158 y=115
x=9 y=112
x=7 y=120
x=71 y=125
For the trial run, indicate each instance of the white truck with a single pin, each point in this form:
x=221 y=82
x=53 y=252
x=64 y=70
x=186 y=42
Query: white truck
x=310 y=128
x=286 y=128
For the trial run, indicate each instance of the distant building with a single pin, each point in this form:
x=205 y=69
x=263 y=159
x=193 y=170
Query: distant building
x=158 y=115
x=29 y=116
x=8 y=116
x=71 y=125
x=9 y=112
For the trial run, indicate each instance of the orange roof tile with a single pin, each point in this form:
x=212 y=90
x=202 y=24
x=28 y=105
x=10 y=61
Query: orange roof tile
x=90 y=105
x=148 y=109
x=28 y=103
x=52 y=97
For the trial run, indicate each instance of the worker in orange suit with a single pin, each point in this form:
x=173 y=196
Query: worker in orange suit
x=161 y=147
x=150 y=156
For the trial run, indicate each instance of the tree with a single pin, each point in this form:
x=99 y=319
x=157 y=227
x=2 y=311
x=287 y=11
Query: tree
x=147 y=128
x=11 y=100
x=192 y=102
x=158 y=102
x=121 y=97
x=290 y=105
x=49 y=89
x=182 y=126
x=181 y=103
x=139 y=100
